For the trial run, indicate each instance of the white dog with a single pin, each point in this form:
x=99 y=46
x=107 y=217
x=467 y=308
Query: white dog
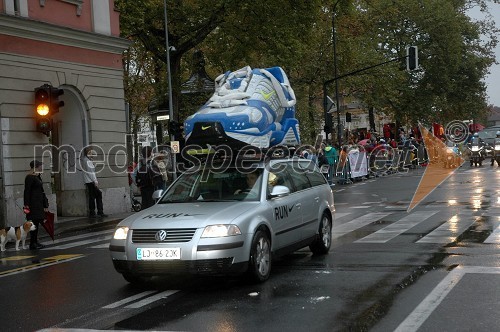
x=17 y=233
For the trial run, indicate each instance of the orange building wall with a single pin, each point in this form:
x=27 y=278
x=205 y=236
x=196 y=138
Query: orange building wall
x=61 y=13
x=46 y=50
x=2 y=10
x=115 y=19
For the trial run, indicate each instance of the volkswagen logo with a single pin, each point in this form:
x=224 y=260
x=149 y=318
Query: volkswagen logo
x=161 y=235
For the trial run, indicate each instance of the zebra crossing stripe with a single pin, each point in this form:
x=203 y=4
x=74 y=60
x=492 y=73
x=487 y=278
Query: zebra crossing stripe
x=151 y=299
x=78 y=237
x=128 y=299
x=447 y=232
x=494 y=237
x=80 y=243
x=418 y=316
x=354 y=224
x=399 y=227
x=339 y=215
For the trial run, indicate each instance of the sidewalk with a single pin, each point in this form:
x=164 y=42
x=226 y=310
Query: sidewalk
x=74 y=224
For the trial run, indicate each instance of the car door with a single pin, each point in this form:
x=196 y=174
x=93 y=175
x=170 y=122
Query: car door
x=304 y=179
x=286 y=211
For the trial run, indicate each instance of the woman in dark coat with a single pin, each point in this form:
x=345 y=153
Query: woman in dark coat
x=35 y=201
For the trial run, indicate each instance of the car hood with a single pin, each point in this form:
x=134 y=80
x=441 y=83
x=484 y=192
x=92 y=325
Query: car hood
x=187 y=215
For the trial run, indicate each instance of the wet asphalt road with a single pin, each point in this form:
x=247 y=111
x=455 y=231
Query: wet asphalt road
x=387 y=268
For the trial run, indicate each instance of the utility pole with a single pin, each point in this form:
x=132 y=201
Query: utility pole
x=170 y=101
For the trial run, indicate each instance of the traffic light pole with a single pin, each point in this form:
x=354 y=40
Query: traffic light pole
x=170 y=101
x=335 y=79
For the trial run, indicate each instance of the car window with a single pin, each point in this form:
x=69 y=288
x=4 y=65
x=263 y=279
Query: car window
x=315 y=177
x=297 y=171
x=279 y=177
x=215 y=185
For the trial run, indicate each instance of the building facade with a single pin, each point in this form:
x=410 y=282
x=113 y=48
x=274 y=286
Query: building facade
x=72 y=45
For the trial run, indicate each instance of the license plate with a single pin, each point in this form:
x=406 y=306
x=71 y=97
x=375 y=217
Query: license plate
x=158 y=254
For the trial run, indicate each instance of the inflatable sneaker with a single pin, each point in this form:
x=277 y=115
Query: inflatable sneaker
x=249 y=107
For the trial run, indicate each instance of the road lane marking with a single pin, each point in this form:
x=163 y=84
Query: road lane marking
x=46 y=262
x=418 y=316
x=101 y=246
x=79 y=243
x=354 y=224
x=128 y=299
x=399 y=227
x=448 y=231
x=15 y=258
x=77 y=237
x=151 y=299
x=494 y=237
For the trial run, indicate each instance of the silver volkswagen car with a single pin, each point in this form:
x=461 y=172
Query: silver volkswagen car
x=227 y=220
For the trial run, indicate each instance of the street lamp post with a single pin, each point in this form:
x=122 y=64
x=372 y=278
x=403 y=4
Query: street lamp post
x=169 y=75
x=339 y=134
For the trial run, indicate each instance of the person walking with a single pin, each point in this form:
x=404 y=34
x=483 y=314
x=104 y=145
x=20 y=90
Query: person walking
x=90 y=179
x=332 y=156
x=147 y=177
x=35 y=201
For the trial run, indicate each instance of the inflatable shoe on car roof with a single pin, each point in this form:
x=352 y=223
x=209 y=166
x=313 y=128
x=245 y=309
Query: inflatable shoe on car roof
x=249 y=107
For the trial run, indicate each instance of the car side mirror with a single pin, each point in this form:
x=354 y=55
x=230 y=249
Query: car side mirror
x=157 y=194
x=279 y=191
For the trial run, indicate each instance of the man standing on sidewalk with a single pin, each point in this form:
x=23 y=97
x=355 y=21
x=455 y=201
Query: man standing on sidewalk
x=90 y=179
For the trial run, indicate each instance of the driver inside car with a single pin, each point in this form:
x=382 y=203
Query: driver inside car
x=251 y=179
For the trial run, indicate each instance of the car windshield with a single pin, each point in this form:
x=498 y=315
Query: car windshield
x=215 y=186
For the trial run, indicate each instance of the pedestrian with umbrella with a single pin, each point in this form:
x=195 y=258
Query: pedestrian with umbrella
x=36 y=204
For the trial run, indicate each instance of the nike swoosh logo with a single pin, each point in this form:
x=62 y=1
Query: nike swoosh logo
x=267 y=95
x=205 y=128
x=290 y=208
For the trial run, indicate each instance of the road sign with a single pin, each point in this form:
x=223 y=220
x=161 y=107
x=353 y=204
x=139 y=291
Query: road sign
x=175 y=146
x=330 y=105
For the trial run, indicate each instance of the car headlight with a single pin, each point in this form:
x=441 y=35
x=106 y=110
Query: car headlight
x=497 y=147
x=120 y=233
x=220 y=231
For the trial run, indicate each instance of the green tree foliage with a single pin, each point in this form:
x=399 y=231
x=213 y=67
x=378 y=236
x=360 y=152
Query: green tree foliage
x=297 y=35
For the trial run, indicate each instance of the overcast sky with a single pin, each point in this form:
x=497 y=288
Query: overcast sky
x=492 y=80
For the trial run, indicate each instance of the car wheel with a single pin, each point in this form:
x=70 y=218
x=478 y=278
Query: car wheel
x=322 y=244
x=260 y=257
x=134 y=279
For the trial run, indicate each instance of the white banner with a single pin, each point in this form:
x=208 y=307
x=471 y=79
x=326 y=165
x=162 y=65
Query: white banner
x=358 y=163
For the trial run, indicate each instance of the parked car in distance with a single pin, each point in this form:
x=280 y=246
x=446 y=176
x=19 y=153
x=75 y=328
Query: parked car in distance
x=227 y=220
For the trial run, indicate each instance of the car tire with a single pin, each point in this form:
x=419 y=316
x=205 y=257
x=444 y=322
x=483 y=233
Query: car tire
x=260 y=261
x=135 y=280
x=323 y=242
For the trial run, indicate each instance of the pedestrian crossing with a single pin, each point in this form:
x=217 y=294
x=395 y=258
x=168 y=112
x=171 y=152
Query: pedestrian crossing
x=399 y=227
x=447 y=232
x=344 y=223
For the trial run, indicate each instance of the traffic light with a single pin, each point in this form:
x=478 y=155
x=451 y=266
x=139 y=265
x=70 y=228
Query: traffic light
x=47 y=103
x=175 y=128
x=42 y=109
x=412 y=58
x=55 y=103
x=348 y=117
